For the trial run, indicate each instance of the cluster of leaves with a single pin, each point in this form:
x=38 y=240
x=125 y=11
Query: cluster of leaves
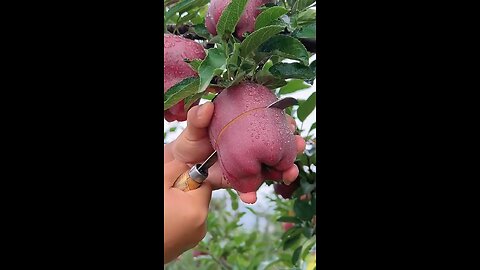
x=181 y=12
x=259 y=57
x=272 y=55
x=230 y=246
x=301 y=208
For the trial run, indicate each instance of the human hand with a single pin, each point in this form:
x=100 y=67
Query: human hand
x=185 y=213
x=193 y=146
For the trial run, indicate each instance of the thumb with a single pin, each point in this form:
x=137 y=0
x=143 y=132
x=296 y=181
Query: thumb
x=198 y=119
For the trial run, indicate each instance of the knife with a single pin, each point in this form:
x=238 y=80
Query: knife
x=194 y=177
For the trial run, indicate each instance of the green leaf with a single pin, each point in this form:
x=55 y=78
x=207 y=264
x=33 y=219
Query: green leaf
x=267 y=66
x=268 y=16
x=215 y=249
x=215 y=40
x=272 y=264
x=195 y=64
x=230 y=226
x=307 y=188
x=258 y=37
x=233 y=198
x=293 y=86
x=306 y=17
x=265 y=78
x=214 y=62
x=251 y=239
x=302 y=4
x=200 y=19
x=242 y=262
x=307 y=246
x=313 y=67
x=251 y=210
x=289 y=219
x=303 y=210
x=307 y=232
x=180 y=91
x=286 y=258
x=192 y=14
x=303 y=159
x=313 y=201
x=291 y=233
x=307 y=107
x=296 y=255
x=314 y=126
x=291 y=241
x=184 y=6
x=209 y=96
x=307 y=31
x=292 y=70
x=230 y=17
x=287 y=47
x=192 y=99
x=201 y=30
x=248 y=65
x=233 y=59
x=289 y=111
x=238 y=78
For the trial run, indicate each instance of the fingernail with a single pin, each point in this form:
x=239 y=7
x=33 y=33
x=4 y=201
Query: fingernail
x=286 y=183
x=201 y=109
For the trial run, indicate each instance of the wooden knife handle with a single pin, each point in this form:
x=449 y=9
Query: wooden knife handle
x=185 y=181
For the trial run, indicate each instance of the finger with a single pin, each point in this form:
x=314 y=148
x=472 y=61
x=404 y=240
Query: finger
x=198 y=120
x=219 y=183
x=289 y=176
x=300 y=143
x=193 y=144
x=292 y=124
x=216 y=178
x=173 y=170
x=202 y=195
x=249 y=197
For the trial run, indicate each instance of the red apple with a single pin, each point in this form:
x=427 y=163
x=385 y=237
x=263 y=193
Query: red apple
x=253 y=142
x=175 y=69
x=246 y=22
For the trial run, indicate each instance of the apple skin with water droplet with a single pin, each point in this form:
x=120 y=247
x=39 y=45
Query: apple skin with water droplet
x=253 y=143
x=175 y=69
x=246 y=22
